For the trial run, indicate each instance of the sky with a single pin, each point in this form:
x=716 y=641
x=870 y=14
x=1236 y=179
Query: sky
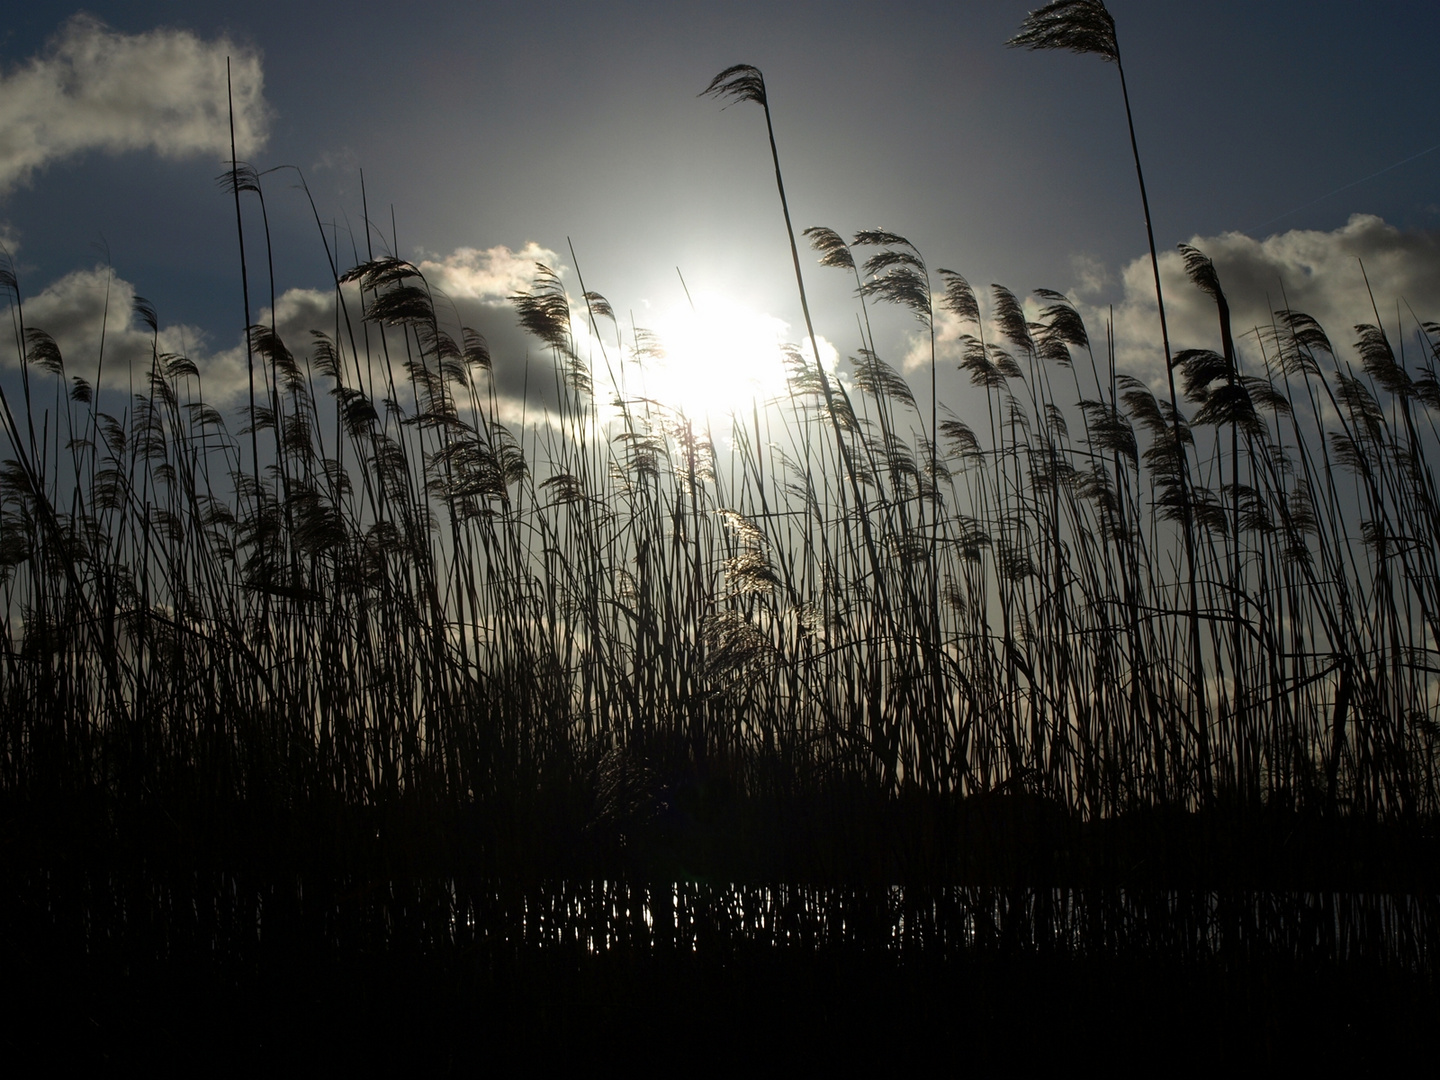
x=1290 y=141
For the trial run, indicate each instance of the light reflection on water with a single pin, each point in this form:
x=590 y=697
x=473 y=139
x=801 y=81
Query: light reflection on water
x=221 y=914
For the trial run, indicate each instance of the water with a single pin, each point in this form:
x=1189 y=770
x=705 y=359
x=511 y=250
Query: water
x=432 y=976
x=226 y=916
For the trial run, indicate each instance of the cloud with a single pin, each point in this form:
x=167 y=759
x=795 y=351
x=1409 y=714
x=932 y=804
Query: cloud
x=471 y=289
x=301 y=312
x=1316 y=272
x=94 y=88
x=90 y=315
x=87 y=307
x=489 y=276
x=1091 y=275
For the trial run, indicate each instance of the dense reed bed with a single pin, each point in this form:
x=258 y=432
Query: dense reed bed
x=367 y=586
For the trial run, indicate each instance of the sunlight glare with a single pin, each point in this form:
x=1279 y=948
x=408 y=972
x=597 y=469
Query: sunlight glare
x=718 y=358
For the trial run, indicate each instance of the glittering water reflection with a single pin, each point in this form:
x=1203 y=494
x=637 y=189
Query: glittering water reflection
x=223 y=914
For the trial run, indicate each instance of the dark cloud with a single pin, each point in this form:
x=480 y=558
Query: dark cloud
x=475 y=286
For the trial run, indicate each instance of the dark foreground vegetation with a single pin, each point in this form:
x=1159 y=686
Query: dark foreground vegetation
x=1130 y=692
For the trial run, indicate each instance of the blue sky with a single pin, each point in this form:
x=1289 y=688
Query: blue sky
x=481 y=125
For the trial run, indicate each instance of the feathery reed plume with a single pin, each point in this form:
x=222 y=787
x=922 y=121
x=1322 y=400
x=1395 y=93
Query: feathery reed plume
x=832 y=247
x=1082 y=26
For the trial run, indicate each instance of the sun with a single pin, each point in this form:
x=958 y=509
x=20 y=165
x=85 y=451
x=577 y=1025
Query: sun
x=715 y=358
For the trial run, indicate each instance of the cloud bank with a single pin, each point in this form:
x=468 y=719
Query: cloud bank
x=1311 y=271
x=1319 y=273
x=93 y=88
x=86 y=308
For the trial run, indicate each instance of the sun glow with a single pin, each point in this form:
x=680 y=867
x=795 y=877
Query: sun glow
x=713 y=359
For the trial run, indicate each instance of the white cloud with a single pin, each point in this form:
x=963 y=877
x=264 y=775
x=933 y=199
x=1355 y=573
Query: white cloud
x=95 y=88
x=490 y=275
x=470 y=288
x=86 y=307
x=1316 y=272
x=89 y=313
